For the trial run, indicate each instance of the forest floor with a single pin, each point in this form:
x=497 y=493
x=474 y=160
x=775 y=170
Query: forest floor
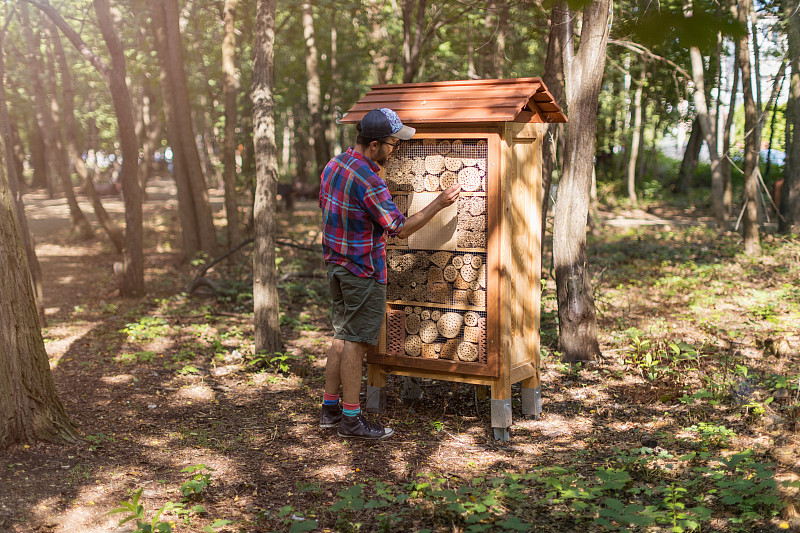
x=688 y=422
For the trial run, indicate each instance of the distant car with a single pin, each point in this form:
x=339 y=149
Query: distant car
x=776 y=157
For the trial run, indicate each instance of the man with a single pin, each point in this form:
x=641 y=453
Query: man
x=357 y=215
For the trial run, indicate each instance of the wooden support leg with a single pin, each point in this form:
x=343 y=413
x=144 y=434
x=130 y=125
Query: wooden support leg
x=501 y=410
x=376 y=389
x=531 y=398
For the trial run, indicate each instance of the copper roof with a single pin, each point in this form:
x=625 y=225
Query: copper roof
x=508 y=100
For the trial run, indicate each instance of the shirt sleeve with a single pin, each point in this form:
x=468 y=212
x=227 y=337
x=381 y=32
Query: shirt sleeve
x=379 y=205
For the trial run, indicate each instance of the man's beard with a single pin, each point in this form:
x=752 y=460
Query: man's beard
x=382 y=161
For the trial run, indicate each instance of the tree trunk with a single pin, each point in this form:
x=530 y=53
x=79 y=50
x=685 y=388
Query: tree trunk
x=190 y=232
x=636 y=137
x=727 y=195
x=185 y=135
x=265 y=290
x=80 y=223
x=752 y=240
x=790 y=197
x=553 y=76
x=48 y=118
x=690 y=157
x=29 y=406
x=230 y=82
x=41 y=174
x=413 y=33
x=381 y=62
x=576 y=310
x=314 y=92
x=706 y=125
x=71 y=130
x=15 y=191
x=132 y=280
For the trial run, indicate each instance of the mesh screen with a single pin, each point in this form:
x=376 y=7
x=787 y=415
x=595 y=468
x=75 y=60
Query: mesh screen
x=437 y=298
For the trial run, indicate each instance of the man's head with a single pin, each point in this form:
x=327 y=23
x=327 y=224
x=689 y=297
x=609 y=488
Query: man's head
x=379 y=131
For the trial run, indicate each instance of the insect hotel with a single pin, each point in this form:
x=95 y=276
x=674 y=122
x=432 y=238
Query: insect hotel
x=463 y=293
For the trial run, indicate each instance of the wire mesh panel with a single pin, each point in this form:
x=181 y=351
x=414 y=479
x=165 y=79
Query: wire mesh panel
x=437 y=288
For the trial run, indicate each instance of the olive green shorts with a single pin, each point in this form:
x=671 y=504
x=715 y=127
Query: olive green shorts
x=358 y=305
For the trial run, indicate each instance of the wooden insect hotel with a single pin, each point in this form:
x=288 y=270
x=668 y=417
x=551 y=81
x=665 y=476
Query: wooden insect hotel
x=463 y=293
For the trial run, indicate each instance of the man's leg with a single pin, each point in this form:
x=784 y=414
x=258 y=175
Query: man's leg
x=331 y=411
x=332 y=373
x=350 y=370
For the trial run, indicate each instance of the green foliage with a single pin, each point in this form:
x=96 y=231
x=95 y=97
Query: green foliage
x=147 y=328
x=200 y=480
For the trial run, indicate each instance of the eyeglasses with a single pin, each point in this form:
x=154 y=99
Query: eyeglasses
x=393 y=145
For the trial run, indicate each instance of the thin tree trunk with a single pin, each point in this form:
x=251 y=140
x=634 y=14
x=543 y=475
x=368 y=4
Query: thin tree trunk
x=752 y=240
x=41 y=174
x=378 y=33
x=230 y=82
x=79 y=221
x=71 y=130
x=265 y=292
x=132 y=279
x=706 y=125
x=560 y=37
x=132 y=282
x=314 y=91
x=790 y=197
x=190 y=232
x=15 y=186
x=576 y=311
x=725 y=163
x=185 y=135
x=48 y=119
x=413 y=32
x=636 y=136
x=29 y=406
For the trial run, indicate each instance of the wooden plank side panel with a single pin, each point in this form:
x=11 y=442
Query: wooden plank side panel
x=494 y=293
x=525 y=217
x=505 y=268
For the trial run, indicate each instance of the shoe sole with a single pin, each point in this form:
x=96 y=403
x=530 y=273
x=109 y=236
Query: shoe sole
x=328 y=426
x=384 y=436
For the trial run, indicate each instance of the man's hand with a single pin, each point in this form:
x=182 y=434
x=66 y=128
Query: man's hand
x=448 y=196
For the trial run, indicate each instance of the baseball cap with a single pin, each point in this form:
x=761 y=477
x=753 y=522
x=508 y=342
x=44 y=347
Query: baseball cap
x=384 y=122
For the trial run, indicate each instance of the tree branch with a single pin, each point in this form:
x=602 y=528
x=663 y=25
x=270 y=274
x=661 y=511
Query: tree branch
x=642 y=50
x=45 y=7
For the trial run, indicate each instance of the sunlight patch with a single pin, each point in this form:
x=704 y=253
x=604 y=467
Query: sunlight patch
x=119 y=378
x=196 y=392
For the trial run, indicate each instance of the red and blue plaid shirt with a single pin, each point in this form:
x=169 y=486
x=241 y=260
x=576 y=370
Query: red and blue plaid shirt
x=357 y=214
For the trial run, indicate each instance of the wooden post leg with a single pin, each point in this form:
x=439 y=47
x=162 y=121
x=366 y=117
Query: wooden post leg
x=501 y=410
x=376 y=389
x=531 y=397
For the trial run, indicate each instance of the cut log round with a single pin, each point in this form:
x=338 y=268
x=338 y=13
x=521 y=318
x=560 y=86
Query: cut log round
x=449 y=324
x=467 y=351
x=413 y=345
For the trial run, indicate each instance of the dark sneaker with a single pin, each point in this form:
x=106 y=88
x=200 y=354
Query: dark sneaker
x=358 y=427
x=331 y=416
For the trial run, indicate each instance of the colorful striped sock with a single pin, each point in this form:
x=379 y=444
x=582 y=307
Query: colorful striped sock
x=330 y=399
x=351 y=409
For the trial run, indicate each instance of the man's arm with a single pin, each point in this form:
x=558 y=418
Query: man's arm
x=419 y=219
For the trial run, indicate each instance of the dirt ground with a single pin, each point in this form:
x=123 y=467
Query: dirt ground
x=143 y=423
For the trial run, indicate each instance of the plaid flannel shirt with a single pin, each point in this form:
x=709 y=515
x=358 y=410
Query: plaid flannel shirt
x=357 y=214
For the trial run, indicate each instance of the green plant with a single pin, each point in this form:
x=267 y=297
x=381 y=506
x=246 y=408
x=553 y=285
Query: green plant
x=147 y=328
x=133 y=510
x=200 y=479
x=712 y=435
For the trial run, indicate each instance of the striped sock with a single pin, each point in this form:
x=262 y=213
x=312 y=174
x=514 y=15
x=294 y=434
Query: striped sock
x=330 y=399
x=351 y=409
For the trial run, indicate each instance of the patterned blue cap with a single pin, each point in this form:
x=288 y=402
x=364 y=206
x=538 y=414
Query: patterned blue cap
x=384 y=122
